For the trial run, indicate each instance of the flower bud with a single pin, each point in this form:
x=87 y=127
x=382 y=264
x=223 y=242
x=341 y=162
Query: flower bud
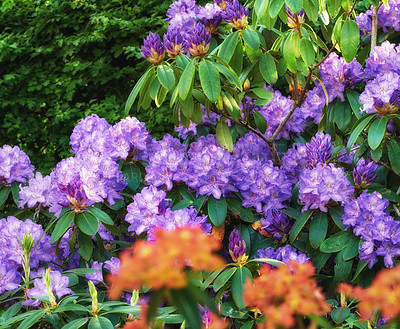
x=47 y=282
x=237 y=248
x=153 y=49
x=246 y=85
x=93 y=294
x=236 y=15
x=198 y=41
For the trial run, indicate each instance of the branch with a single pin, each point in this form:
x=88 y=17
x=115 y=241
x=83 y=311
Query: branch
x=374 y=31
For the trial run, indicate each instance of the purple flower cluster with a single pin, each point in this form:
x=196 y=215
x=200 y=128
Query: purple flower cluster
x=276 y=110
x=322 y=184
x=173 y=42
x=319 y=149
x=198 y=41
x=210 y=15
x=294 y=162
x=150 y=210
x=388 y=18
x=364 y=173
x=284 y=254
x=15 y=165
x=95 y=277
x=313 y=105
x=276 y=224
x=252 y=146
x=370 y=220
x=235 y=14
x=168 y=162
x=383 y=59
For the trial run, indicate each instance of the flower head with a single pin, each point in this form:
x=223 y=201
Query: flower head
x=237 y=248
x=295 y=21
x=235 y=14
x=153 y=49
x=198 y=41
x=364 y=173
x=173 y=42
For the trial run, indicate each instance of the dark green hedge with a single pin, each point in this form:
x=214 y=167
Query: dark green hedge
x=61 y=60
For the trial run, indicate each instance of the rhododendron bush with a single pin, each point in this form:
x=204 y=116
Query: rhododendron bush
x=274 y=204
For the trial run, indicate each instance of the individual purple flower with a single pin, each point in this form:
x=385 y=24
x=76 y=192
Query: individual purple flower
x=173 y=42
x=15 y=165
x=96 y=277
x=211 y=17
x=364 y=22
x=198 y=41
x=284 y=254
x=167 y=162
x=38 y=191
x=381 y=94
x=153 y=49
x=364 y=173
x=295 y=161
x=323 y=184
x=10 y=278
x=237 y=248
x=276 y=224
x=184 y=132
x=313 y=105
x=113 y=265
x=235 y=14
x=276 y=110
x=59 y=286
x=252 y=146
x=319 y=149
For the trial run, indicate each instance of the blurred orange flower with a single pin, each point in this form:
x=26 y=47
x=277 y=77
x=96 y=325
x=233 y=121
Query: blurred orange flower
x=383 y=294
x=161 y=263
x=283 y=292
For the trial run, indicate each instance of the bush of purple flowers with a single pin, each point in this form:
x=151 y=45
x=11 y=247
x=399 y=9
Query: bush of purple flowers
x=286 y=150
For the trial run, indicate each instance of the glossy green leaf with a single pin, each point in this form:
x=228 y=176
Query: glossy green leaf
x=340 y=314
x=318 y=229
x=337 y=214
x=132 y=174
x=154 y=88
x=260 y=121
x=353 y=97
x=100 y=322
x=32 y=319
x=251 y=39
x=376 y=132
x=135 y=91
x=62 y=225
x=182 y=61
x=113 y=229
x=394 y=155
x=235 y=205
x=101 y=215
x=187 y=107
x=4 y=193
x=360 y=267
x=85 y=246
x=333 y=7
x=263 y=93
x=342 y=270
x=186 y=81
x=223 y=278
x=359 y=126
x=76 y=324
x=228 y=46
x=342 y=114
x=307 y=51
x=352 y=249
x=187 y=306
x=160 y=97
x=231 y=105
x=209 y=79
x=376 y=154
x=217 y=210
x=299 y=224
x=336 y=242
x=14 y=191
x=275 y=7
x=290 y=47
x=268 y=68
x=224 y=136
x=295 y=6
x=229 y=74
x=87 y=223
x=311 y=7
x=166 y=76
x=240 y=277
x=349 y=39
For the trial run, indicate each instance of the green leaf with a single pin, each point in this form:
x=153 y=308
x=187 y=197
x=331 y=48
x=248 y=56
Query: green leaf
x=359 y=126
x=231 y=105
x=182 y=204
x=210 y=82
x=235 y=205
x=342 y=270
x=307 y=51
x=236 y=61
x=394 y=155
x=377 y=153
x=228 y=46
x=75 y=324
x=166 y=76
x=87 y=223
x=291 y=212
x=4 y=193
x=182 y=61
x=217 y=210
x=376 y=132
x=337 y=214
x=187 y=107
x=299 y=224
x=290 y=47
x=295 y=6
x=352 y=249
x=101 y=215
x=224 y=136
x=263 y=93
x=62 y=225
x=100 y=322
x=360 y=267
x=340 y=314
x=71 y=307
x=14 y=192
x=154 y=88
x=229 y=74
x=352 y=97
x=336 y=242
x=186 y=81
x=268 y=68
x=269 y=261
x=261 y=123
x=247 y=325
x=275 y=7
x=85 y=246
x=238 y=280
x=311 y=7
x=318 y=229
x=135 y=91
x=187 y=306
x=333 y=7
x=113 y=229
x=32 y=319
x=342 y=114
x=251 y=39
x=349 y=39
x=223 y=278
x=132 y=174
x=81 y=271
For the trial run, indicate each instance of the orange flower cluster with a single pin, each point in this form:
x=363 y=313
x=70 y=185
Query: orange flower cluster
x=161 y=264
x=383 y=294
x=283 y=292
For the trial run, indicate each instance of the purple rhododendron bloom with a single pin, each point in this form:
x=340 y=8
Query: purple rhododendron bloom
x=15 y=165
x=295 y=161
x=113 y=265
x=319 y=149
x=38 y=191
x=313 y=105
x=96 y=277
x=235 y=14
x=198 y=40
x=153 y=49
x=383 y=59
x=10 y=278
x=276 y=223
x=364 y=173
x=211 y=17
x=173 y=42
x=284 y=254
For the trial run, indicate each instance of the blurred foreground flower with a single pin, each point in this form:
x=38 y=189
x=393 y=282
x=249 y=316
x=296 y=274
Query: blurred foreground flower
x=282 y=293
x=160 y=264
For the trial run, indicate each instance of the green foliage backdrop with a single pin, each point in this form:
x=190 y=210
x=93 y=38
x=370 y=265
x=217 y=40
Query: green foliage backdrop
x=61 y=60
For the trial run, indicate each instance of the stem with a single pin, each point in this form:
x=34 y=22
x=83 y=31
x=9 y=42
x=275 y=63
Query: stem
x=374 y=31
